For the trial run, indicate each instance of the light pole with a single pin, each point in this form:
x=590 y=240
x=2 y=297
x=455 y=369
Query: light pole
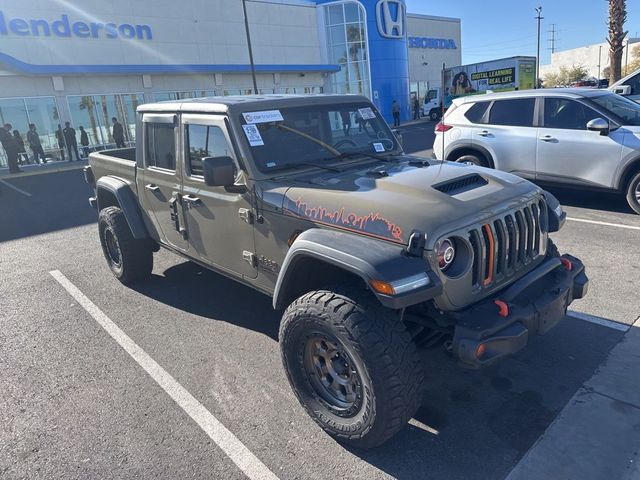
x=246 y=28
x=599 y=61
x=539 y=17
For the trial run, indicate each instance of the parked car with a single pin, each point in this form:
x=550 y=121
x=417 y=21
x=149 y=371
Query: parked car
x=579 y=137
x=371 y=254
x=628 y=86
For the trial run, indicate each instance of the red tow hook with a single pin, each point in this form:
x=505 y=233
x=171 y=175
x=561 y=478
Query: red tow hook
x=503 y=308
x=567 y=264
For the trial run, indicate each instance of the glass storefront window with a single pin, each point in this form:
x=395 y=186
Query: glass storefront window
x=94 y=113
x=347 y=47
x=41 y=111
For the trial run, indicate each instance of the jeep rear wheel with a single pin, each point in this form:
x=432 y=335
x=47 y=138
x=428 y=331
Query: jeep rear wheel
x=128 y=258
x=633 y=193
x=352 y=364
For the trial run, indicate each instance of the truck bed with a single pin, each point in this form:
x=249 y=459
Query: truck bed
x=119 y=163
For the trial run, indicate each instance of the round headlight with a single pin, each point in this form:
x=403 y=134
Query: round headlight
x=446 y=252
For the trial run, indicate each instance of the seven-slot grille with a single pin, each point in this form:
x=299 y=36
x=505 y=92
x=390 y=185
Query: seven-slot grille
x=508 y=243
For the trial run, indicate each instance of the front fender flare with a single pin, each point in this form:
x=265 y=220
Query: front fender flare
x=126 y=200
x=365 y=257
x=556 y=215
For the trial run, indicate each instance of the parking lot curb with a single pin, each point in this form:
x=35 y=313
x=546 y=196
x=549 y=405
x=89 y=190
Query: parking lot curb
x=597 y=434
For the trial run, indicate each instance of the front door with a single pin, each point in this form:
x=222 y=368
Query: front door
x=161 y=179
x=219 y=219
x=568 y=152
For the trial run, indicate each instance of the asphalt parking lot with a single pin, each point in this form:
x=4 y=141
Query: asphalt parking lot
x=75 y=404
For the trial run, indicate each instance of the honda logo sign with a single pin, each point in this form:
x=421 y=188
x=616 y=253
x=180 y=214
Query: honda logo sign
x=391 y=18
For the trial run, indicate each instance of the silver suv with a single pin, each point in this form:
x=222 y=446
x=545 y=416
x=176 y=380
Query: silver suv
x=579 y=137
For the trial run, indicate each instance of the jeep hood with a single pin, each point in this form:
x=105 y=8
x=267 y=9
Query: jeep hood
x=392 y=200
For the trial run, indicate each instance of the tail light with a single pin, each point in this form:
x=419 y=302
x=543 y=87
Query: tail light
x=441 y=128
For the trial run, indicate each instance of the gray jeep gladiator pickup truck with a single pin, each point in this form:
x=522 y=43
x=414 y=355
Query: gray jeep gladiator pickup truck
x=372 y=254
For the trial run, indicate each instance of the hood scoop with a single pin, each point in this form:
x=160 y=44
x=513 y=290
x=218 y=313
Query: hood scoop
x=461 y=184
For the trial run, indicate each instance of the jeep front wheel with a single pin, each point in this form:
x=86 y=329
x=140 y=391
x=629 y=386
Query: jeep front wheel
x=129 y=259
x=352 y=364
x=633 y=193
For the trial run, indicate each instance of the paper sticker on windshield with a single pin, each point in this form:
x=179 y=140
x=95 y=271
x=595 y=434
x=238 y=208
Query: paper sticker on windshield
x=378 y=147
x=263 y=117
x=366 y=113
x=253 y=135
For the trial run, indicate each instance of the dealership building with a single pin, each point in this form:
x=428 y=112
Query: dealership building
x=88 y=61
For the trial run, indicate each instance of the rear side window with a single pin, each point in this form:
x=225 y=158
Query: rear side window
x=161 y=146
x=204 y=141
x=477 y=111
x=516 y=112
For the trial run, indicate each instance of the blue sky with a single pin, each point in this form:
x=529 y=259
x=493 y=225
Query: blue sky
x=497 y=28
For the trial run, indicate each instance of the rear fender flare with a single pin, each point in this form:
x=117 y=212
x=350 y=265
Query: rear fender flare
x=366 y=258
x=108 y=188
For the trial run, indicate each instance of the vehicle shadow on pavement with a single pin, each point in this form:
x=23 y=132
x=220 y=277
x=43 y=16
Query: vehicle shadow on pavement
x=191 y=288
x=606 y=201
x=478 y=424
x=51 y=202
x=473 y=424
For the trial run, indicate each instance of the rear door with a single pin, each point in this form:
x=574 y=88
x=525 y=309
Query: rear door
x=510 y=135
x=568 y=152
x=219 y=219
x=161 y=185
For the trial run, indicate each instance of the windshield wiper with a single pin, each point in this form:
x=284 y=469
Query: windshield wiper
x=385 y=158
x=305 y=164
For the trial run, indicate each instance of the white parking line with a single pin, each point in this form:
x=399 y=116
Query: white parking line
x=606 y=224
x=19 y=190
x=227 y=441
x=623 y=327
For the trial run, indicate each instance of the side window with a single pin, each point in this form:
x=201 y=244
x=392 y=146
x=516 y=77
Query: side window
x=161 y=146
x=477 y=111
x=516 y=112
x=567 y=114
x=204 y=141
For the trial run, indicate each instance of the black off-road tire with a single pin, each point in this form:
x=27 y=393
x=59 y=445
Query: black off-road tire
x=385 y=360
x=129 y=259
x=473 y=159
x=633 y=193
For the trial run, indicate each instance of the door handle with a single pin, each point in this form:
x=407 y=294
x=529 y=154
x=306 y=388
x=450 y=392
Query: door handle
x=191 y=201
x=484 y=133
x=152 y=188
x=548 y=138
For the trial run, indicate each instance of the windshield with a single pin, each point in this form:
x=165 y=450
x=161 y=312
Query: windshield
x=624 y=111
x=292 y=137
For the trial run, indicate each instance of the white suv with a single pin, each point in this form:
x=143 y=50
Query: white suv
x=580 y=137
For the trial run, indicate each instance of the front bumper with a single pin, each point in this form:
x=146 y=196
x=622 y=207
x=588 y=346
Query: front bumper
x=501 y=325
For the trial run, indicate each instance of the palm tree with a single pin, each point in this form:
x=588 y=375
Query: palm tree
x=617 y=17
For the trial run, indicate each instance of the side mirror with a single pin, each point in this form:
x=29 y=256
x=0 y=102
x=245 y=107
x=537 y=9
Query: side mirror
x=219 y=171
x=399 y=137
x=599 y=125
x=622 y=90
